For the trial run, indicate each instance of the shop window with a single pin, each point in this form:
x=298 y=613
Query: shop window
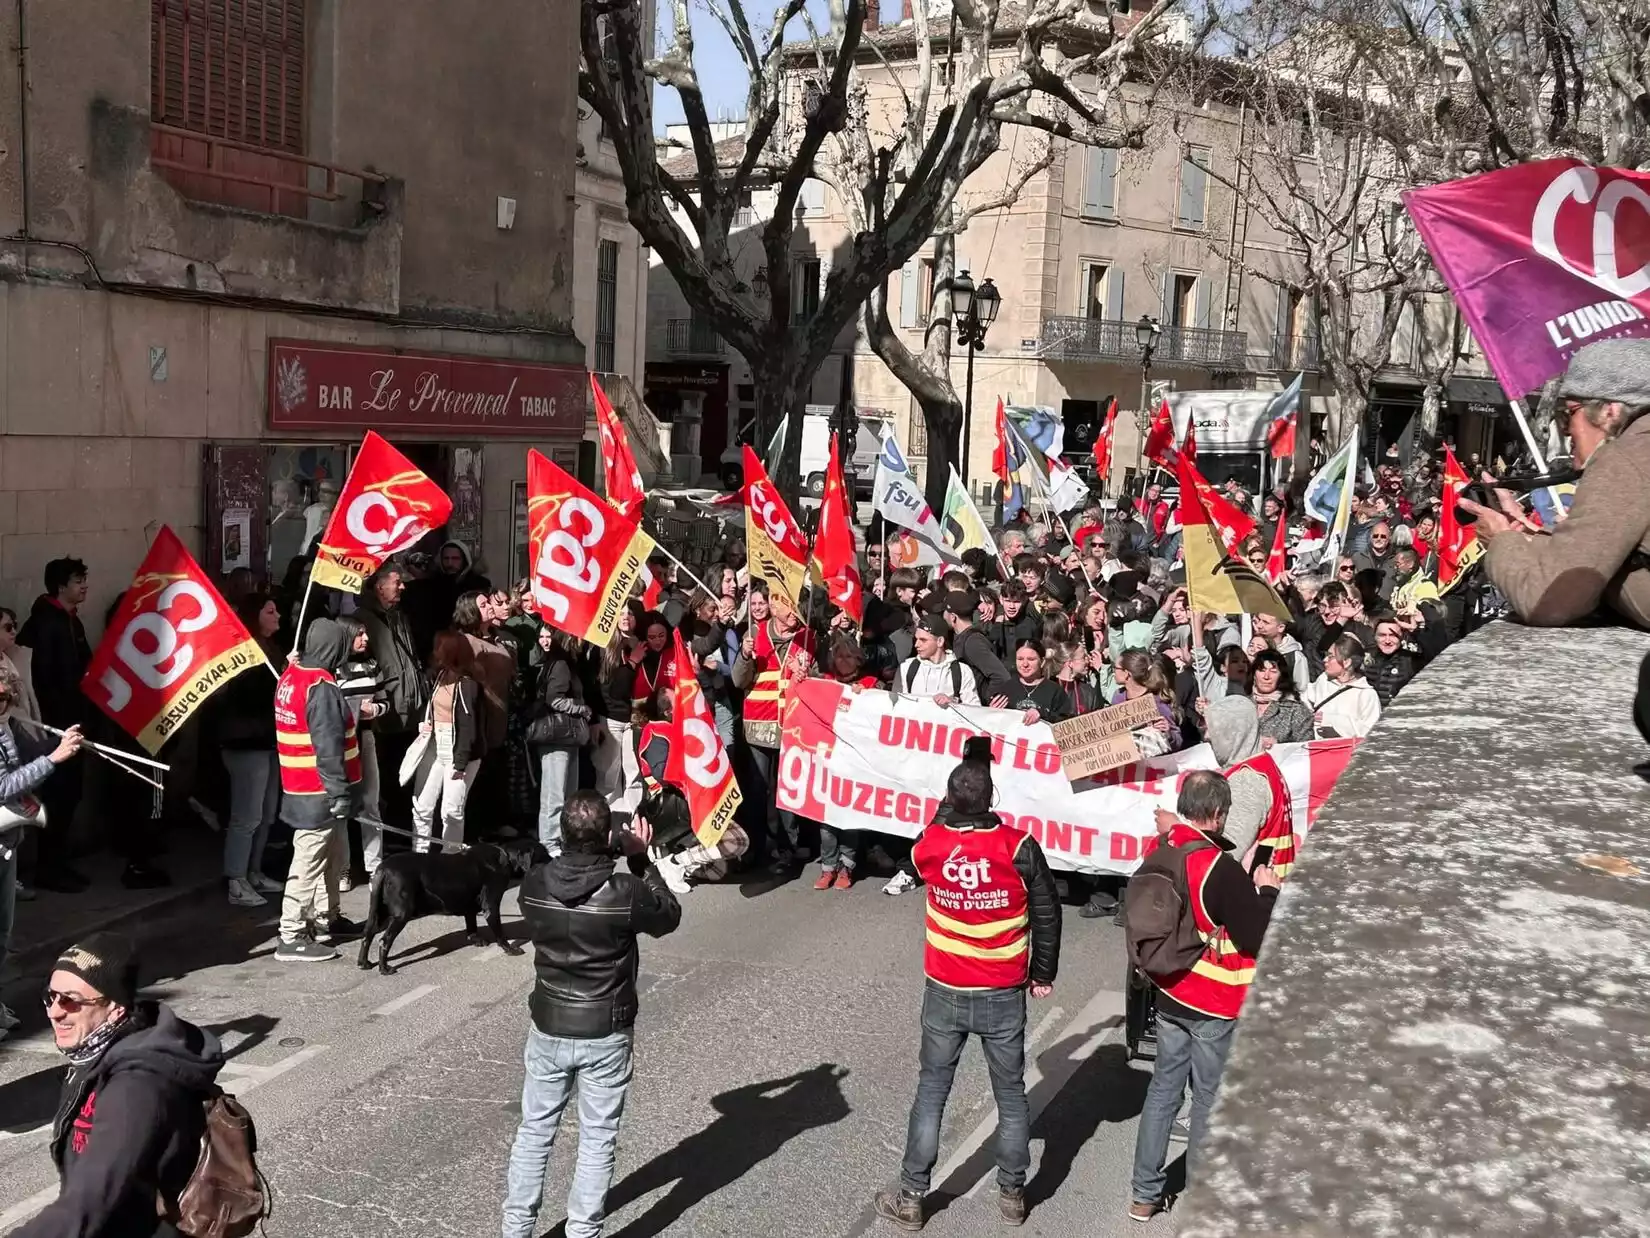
x=303 y=489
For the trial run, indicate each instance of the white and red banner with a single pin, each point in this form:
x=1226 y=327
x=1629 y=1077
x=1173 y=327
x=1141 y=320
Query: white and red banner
x=585 y=556
x=386 y=506
x=173 y=642
x=871 y=761
x=699 y=766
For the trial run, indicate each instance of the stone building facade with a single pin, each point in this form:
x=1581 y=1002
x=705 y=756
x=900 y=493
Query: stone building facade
x=230 y=234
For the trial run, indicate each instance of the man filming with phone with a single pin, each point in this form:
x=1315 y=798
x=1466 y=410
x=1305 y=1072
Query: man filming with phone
x=1601 y=551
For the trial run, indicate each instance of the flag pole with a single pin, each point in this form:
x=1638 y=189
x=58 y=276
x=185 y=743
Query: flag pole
x=682 y=567
x=303 y=609
x=1540 y=460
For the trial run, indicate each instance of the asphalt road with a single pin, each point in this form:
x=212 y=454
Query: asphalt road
x=776 y=1060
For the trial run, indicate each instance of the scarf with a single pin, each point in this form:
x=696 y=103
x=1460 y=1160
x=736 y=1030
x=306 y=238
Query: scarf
x=1263 y=699
x=93 y=1047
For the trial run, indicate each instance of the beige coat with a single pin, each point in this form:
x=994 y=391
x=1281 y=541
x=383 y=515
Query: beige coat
x=1558 y=578
x=20 y=661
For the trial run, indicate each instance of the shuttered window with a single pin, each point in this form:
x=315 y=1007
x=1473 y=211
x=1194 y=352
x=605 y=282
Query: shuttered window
x=231 y=70
x=1194 y=188
x=607 y=304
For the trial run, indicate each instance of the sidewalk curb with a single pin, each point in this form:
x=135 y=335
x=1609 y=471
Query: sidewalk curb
x=50 y=948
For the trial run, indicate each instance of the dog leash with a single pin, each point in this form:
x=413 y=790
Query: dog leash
x=428 y=838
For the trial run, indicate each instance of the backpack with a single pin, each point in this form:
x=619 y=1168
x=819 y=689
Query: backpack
x=956 y=676
x=1162 y=934
x=226 y=1196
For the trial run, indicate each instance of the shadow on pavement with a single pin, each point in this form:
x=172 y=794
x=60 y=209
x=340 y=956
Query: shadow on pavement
x=753 y=1123
x=1104 y=1089
x=30 y=1101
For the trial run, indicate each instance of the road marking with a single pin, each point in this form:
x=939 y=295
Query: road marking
x=406 y=999
x=1094 y=1023
x=20 y=1212
x=260 y=1075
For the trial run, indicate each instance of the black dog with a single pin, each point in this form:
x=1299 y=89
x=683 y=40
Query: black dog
x=410 y=885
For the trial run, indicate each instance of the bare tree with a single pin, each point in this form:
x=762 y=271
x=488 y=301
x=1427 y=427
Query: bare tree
x=900 y=180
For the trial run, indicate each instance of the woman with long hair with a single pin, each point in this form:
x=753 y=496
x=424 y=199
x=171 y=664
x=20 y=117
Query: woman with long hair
x=453 y=754
x=1069 y=662
x=1284 y=718
x=652 y=658
x=243 y=717
x=362 y=684
x=1139 y=674
x=560 y=727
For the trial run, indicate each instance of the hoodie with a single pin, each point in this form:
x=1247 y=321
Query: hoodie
x=60 y=654
x=327 y=717
x=129 y=1125
x=1232 y=729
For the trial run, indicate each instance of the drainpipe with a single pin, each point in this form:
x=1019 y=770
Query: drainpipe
x=23 y=108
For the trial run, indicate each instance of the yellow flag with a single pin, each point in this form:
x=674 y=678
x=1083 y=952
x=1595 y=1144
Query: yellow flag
x=1215 y=580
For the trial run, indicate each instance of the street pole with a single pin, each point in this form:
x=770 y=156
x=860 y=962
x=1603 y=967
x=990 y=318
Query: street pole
x=968 y=413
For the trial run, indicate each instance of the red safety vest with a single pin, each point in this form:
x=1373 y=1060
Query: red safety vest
x=293 y=744
x=645 y=687
x=1278 y=830
x=762 y=701
x=1216 y=984
x=979 y=934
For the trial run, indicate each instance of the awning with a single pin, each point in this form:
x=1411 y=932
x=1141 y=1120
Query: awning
x=1476 y=391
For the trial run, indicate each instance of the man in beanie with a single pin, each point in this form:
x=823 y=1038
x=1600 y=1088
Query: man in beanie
x=993 y=930
x=130 y=1122
x=1599 y=552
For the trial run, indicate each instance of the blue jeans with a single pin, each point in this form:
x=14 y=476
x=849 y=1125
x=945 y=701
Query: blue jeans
x=998 y=1018
x=600 y=1070
x=837 y=848
x=1185 y=1046
x=558 y=778
x=254 y=799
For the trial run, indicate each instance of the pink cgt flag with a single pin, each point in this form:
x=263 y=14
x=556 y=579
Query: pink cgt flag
x=1543 y=258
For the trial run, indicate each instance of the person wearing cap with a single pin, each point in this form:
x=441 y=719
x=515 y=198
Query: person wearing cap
x=131 y=1117
x=1600 y=553
x=973 y=648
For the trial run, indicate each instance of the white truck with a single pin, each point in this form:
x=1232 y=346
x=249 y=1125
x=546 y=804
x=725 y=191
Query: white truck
x=816 y=452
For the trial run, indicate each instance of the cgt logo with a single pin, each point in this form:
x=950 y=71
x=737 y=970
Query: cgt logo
x=1615 y=235
x=969 y=874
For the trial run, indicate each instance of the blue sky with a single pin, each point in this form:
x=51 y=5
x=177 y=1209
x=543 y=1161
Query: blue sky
x=721 y=72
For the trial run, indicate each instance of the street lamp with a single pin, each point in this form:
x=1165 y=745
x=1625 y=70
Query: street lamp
x=1146 y=333
x=975 y=310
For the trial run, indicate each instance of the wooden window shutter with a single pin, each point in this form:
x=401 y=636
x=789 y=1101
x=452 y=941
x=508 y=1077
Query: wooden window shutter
x=1114 y=294
x=1204 y=296
x=910 y=288
x=1100 y=184
x=1194 y=188
x=230 y=69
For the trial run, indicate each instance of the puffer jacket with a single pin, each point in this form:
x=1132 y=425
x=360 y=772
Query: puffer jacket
x=583 y=917
x=405 y=689
x=129 y=1127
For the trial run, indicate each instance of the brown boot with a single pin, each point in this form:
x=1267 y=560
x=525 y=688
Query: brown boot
x=1141 y=1211
x=826 y=877
x=1011 y=1202
x=902 y=1207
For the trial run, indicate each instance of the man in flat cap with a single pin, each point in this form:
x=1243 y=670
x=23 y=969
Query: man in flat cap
x=1597 y=554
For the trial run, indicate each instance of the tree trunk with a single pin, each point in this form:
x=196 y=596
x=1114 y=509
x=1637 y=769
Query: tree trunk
x=942 y=416
x=781 y=397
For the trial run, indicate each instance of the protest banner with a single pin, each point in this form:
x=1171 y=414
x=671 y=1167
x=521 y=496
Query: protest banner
x=172 y=642
x=1092 y=743
x=868 y=760
x=585 y=557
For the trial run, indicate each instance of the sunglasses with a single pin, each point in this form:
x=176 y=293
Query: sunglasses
x=72 y=1003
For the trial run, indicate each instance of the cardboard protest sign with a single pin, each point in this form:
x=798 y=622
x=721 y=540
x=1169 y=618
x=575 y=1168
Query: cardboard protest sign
x=1093 y=743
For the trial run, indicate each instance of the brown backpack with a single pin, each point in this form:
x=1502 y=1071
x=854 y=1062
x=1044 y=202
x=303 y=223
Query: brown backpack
x=1162 y=934
x=226 y=1196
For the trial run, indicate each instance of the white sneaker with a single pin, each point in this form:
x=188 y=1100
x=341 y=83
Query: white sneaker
x=899 y=883
x=241 y=894
x=266 y=885
x=675 y=875
x=8 y=1018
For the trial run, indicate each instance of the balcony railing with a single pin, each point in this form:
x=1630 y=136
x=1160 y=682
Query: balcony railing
x=688 y=337
x=1097 y=339
x=1294 y=354
x=214 y=169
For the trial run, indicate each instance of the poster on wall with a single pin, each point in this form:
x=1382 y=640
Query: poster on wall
x=518 y=530
x=237 y=538
x=464 y=525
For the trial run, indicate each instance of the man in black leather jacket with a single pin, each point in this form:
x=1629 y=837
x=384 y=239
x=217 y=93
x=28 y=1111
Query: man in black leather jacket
x=584 y=918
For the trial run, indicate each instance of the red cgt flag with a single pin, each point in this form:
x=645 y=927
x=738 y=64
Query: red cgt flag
x=1000 y=454
x=1231 y=523
x=386 y=505
x=1160 y=439
x=774 y=546
x=585 y=556
x=1458 y=544
x=173 y=642
x=1277 y=560
x=698 y=764
x=1102 y=444
x=1188 y=445
x=623 y=478
x=834 y=552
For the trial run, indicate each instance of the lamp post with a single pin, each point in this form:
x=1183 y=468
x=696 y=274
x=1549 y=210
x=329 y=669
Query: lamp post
x=1146 y=333
x=975 y=310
